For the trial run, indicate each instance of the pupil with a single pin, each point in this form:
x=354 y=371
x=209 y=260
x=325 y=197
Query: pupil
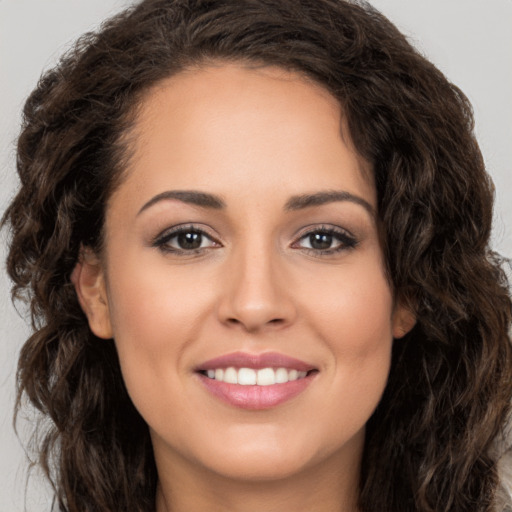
x=320 y=241
x=190 y=240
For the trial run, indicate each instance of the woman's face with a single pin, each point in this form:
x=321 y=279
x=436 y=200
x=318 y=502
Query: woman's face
x=243 y=280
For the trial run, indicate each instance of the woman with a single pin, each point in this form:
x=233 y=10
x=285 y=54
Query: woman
x=254 y=235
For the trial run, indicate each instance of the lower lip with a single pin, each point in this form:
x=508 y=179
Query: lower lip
x=256 y=397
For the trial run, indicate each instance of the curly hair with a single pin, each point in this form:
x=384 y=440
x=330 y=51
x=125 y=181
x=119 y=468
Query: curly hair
x=429 y=444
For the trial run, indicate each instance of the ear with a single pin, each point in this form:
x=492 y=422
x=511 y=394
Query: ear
x=88 y=277
x=404 y=319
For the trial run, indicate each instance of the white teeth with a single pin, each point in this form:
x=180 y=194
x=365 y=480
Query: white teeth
x=250 y=377
x=246 y=376
x=266 y=377
x=230 y=376
x=281 y=375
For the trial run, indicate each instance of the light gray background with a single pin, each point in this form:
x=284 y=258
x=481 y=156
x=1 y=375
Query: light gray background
x=469 y=40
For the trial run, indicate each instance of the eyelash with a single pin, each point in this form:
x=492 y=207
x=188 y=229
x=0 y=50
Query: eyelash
x=163 y=240
x=346 y=241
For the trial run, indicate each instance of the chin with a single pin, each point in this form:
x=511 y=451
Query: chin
x=277 y=458
x=260 y=468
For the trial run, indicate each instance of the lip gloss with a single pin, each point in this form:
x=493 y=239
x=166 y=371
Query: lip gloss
x=256 y=397
x=253 y=396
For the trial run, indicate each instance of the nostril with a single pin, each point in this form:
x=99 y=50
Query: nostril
x=255 y=325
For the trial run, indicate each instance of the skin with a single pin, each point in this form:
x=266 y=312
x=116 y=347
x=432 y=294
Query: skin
x=254 y=138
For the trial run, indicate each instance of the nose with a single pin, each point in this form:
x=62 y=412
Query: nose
x=255 y=292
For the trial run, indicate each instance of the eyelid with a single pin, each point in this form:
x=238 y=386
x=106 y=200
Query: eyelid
x=324 y=228
x=348 y=240
x=161 y=240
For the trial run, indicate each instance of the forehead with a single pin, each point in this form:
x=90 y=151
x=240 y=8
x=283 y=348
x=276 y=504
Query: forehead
x=205 y=126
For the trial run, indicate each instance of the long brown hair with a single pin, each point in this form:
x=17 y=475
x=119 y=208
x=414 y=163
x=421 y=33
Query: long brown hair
x=429 y=443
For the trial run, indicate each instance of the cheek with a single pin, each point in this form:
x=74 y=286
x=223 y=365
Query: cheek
x=154 y=318
x=352 y=306
x=154 y=305
x=353 y=317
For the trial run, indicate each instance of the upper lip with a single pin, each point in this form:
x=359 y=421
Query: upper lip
x=256 y=361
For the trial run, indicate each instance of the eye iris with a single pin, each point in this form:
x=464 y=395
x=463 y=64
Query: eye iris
x=320 y=240
x=190 y=240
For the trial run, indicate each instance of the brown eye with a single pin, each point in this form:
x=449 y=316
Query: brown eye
x=320 y=241
x=184 y=239
x=189 y=241
x=326 y=241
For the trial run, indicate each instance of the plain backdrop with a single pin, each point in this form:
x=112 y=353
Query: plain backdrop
x=469 y=40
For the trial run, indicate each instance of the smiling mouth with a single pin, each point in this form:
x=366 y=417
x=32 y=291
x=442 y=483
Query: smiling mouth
x=255 y=377
x=256 y=381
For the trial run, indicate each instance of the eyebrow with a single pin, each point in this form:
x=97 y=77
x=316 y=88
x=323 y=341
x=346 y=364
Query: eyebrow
x=206 y=200
x=329 y=196
x=187 y=196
